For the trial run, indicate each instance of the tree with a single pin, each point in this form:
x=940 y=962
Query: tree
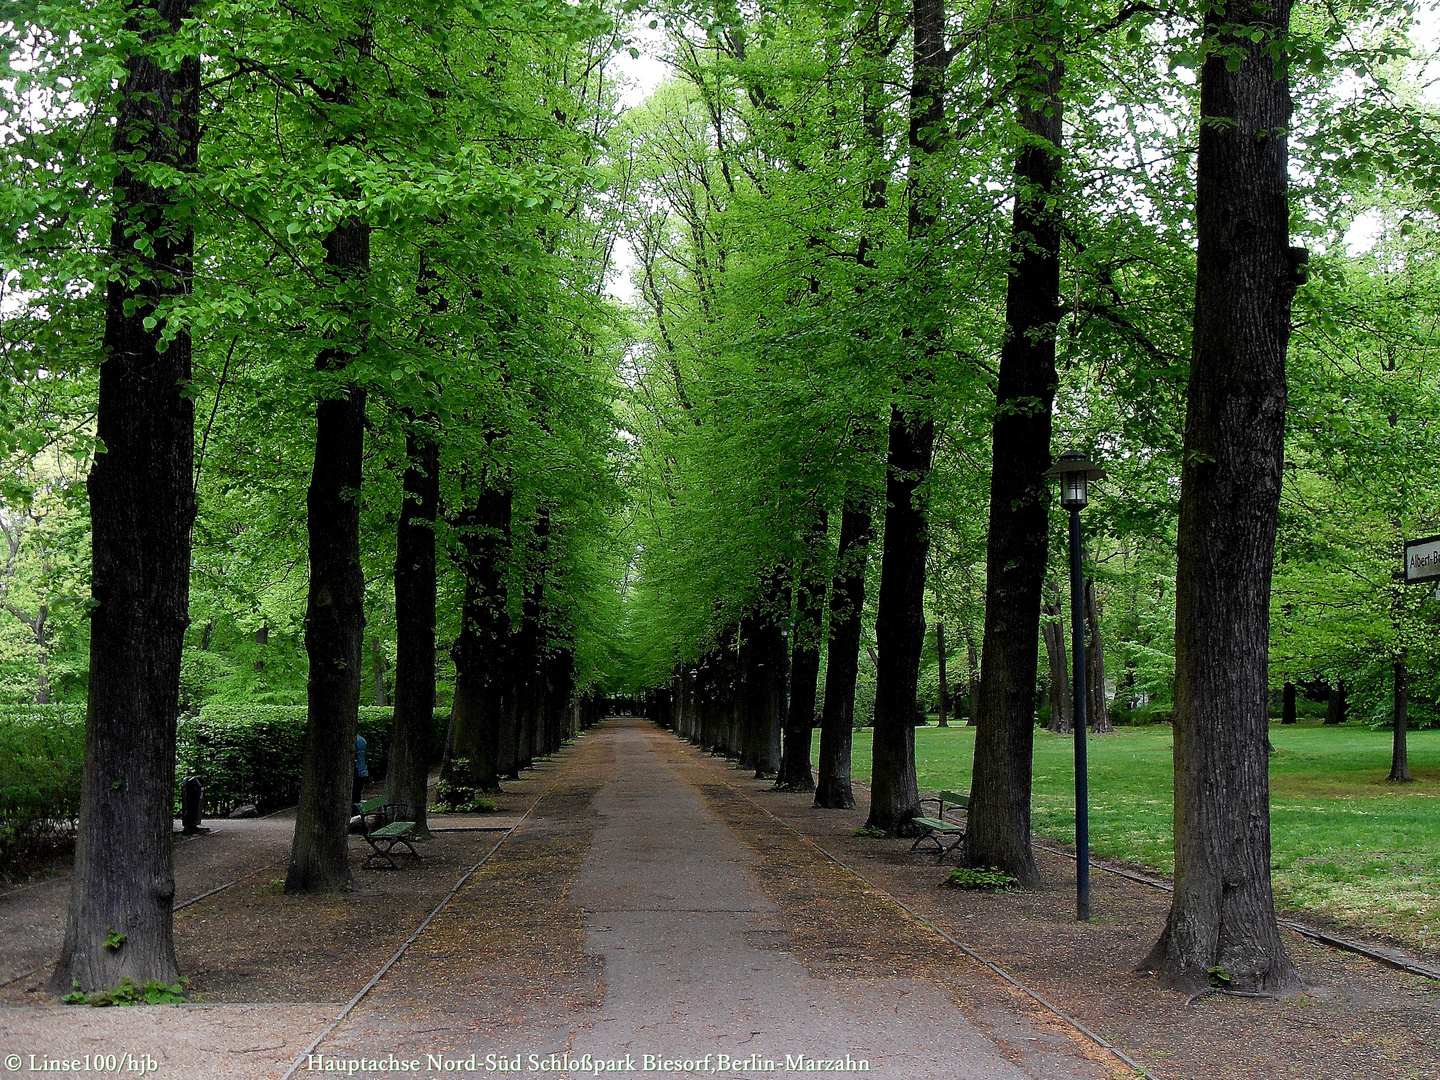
x=998 y=833
x=900 y=617
x=409 y=769
x=335 y=605
x=847 y=607
x=795 y=771
x=1223 y=914
x=142 y=505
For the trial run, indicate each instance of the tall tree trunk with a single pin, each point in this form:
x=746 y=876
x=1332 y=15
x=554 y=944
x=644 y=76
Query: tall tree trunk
x=1399 y=756
x=1053 y=631
x=479 y=651
x=1097 y=707
x=334 y=610
x=407 y=775
x=1287 y=704
x=142 y=505
x=1337 y=705
x=765 y=682
x=560 y=691
x=847 y=606
x=795 y=771
x=1223 y=910
x=900 y=624
x=335 y=604
x=900 y=615
x=940 y=659
x=1016 y=550
x=529 y=644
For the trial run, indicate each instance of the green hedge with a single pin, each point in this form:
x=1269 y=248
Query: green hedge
x=243 y=754
x=42 y=752
x=251 y=754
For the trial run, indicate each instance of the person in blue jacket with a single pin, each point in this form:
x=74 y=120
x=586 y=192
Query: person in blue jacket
x=361 y=773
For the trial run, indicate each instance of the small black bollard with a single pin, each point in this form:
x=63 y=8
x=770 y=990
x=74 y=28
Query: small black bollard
x=192 y=800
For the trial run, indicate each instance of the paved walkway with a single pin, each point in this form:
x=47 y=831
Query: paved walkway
x=695 y=957
x=636 y=916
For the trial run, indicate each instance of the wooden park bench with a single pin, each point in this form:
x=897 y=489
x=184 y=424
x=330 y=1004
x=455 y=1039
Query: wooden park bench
x=385 y=835
x=945 y=834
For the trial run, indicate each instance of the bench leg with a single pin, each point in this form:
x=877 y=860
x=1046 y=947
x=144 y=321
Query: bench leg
x=387 y=853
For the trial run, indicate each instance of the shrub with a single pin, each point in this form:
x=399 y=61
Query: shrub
x=253 y=753
x=983 y=879
x=42 y=754
x=129 y=992
x=1143 y=716
x=242 y=754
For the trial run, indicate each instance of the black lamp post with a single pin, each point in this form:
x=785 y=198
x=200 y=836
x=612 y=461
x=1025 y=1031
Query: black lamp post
x=1075 y=473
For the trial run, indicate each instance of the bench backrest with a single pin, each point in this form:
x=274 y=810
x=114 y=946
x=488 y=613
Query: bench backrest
x=955 y=799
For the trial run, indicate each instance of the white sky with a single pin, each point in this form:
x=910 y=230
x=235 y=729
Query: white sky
x=642 y=75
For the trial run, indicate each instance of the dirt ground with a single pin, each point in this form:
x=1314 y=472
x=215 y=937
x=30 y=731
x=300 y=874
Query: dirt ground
x=508 y=953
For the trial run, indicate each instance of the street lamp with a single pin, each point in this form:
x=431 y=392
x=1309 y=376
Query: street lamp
x=1075 y=473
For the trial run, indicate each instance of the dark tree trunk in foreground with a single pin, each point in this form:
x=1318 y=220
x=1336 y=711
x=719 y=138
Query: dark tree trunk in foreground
x=1017 y=546
x=940 y=659
x=1223 y=911
x=795 y=771
x=142 y=504
x=1337 y=705
x=1287 y=704
x=847 y=605
x=408 y=771
x=1399 y=755
x=1053 y=631
x=900 y=624
x=900 y=615
x=1098 y=708
x=479 y=652
x=334 y=610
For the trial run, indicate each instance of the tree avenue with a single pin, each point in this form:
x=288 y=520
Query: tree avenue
x=407 y=362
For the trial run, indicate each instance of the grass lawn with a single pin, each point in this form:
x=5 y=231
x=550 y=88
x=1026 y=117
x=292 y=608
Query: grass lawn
x=1344 y=842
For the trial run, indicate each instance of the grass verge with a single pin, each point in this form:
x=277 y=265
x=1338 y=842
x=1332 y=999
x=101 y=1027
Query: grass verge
x=1344 y=842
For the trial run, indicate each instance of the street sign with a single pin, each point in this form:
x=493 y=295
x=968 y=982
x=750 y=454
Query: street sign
x=1422 y=560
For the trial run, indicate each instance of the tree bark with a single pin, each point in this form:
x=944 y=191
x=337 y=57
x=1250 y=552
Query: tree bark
x=900 y=615
x=1097 y=707
x=765 y=682
x=408 y=772
x=847 y=606
x=479 y=650
x=1222 y=916
x=940 y=660
x=1337 y=706
x=1016 y=549
x=142 y=506
x=335 y=609
x=900 y=624
x=1053 y=631
x=795 y=771
x=1399 y=755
